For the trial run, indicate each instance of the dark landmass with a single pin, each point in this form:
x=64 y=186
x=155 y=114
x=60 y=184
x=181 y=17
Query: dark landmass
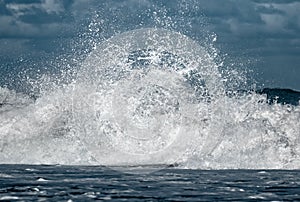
x=283 y=96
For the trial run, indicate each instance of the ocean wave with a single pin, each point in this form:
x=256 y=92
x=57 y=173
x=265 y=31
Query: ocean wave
x=151 y=96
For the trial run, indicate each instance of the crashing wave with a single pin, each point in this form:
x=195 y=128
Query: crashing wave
x=149 y=96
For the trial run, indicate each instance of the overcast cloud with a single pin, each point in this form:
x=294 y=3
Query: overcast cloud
x=265 y=31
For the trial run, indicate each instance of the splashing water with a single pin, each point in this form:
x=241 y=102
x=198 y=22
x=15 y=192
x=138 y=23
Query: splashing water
x=148 y=96
x=142 y=87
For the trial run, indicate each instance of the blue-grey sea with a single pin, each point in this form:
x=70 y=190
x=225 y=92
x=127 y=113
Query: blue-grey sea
x=90 y=183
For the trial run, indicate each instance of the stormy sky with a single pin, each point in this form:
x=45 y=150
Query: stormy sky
x=262 y=35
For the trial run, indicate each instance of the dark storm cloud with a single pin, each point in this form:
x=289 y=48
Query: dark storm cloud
x=259 y=17
x=30 y=19
x=276 y=1
x=39 y=17
x=269 y=29
x=235 y=17
x=3 y=9
x=268 y=10
x=274 y=22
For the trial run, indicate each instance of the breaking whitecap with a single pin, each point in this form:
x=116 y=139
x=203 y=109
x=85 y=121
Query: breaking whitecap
x=149 y=96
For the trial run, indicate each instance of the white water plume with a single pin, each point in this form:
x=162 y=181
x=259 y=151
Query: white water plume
x=148 y=96
x=141 y=91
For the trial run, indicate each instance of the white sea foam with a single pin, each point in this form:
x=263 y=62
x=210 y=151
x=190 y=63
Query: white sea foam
x=148 y=96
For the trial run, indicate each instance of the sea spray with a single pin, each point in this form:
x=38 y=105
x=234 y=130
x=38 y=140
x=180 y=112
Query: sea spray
x=147 y=96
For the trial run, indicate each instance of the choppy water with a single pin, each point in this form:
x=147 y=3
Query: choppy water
x=88 y=183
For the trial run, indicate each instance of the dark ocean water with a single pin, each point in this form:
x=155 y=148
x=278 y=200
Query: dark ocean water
x=88 y=183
